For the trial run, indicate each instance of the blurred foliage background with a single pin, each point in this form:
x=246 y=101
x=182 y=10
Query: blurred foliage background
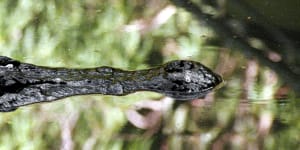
x=255 y=109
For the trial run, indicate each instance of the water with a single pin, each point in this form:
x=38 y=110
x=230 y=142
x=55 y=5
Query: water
x=253 y=44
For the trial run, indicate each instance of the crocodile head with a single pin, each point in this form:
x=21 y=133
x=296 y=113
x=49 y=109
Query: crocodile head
x=187 y=80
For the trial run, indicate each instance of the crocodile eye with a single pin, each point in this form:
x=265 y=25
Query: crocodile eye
x=187 y=65
x=173 y=66
x=179 y=66
x=8 y=62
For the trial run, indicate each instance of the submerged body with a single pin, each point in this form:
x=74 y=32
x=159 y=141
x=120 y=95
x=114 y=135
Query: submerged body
x=22 y=84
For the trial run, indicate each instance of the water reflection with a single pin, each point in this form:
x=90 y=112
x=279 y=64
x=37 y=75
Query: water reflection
x=247 y=41
x=226 y=122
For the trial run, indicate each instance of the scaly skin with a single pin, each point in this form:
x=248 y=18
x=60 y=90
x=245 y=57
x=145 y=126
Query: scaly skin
x=23 y=84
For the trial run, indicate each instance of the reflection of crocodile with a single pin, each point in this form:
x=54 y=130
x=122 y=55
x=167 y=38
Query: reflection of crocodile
x=23 y=84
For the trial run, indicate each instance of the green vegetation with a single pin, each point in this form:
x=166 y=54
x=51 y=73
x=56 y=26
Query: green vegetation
x=127 y=34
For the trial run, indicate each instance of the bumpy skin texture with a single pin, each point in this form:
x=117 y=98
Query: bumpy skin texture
x=23 y=84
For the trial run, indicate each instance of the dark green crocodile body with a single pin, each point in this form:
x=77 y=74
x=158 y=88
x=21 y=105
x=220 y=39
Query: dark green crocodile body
x=23 y=84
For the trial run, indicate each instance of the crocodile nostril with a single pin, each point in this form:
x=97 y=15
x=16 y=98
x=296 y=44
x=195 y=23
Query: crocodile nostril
x=219 y=79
